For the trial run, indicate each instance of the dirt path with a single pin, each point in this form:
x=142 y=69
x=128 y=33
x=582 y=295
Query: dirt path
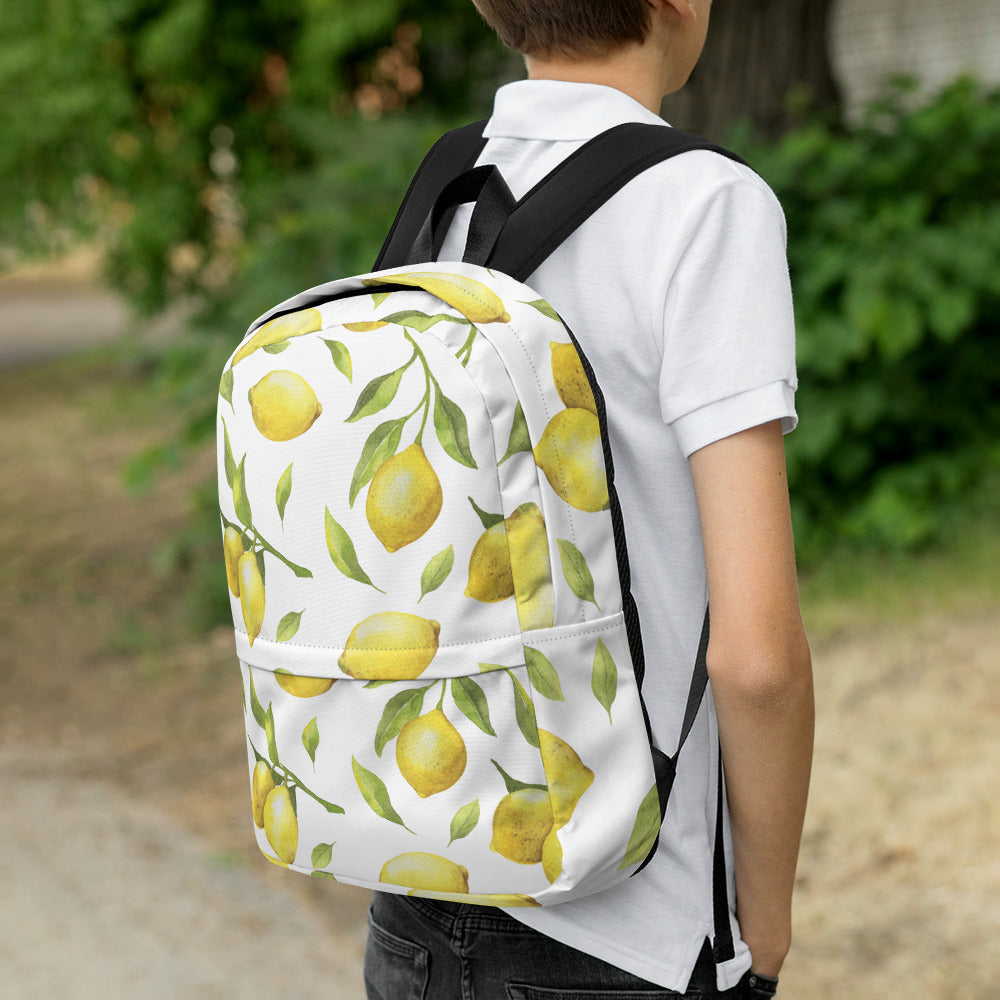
x=109 y=897
x=126 y=853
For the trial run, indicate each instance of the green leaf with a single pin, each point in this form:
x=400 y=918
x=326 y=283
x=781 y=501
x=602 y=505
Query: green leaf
x=377 y=395
x=277 y=347
x=544 y=308
x=326 y=875
x=379 y=297
x=576 y=571
x=379 y=448
x=376 y=794
x=470 y=699
x=310 y=740
x=524 y=712
x=416 y=320
x=542 y=674
x=488 y=519
x=228 y=460
x=256 y=709
x=464 y=821
x=400 y=709
x=288 y=626
x=226 y=386
x=604 y=679
x=512 y=784
x=322 y=855
x=644 y=830
x=341 y=358
x=436 y=571
x=272 y=746
x=241 y=502
x=283 y=492
x=485 y=668
x=519 y=439
x=452 y=430
x=342 y=552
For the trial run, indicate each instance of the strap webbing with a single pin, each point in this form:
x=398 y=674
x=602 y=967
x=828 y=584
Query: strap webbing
x=453 y=153
x=723 y=945
x=580 y=185
x=554 y=207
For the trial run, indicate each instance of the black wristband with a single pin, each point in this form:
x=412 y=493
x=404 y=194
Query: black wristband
x=761 y=987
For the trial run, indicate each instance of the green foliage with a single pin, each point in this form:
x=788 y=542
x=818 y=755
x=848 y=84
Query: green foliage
x=894 y=238
x=224 y=154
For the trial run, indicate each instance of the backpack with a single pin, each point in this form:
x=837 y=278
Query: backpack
x=441 y=656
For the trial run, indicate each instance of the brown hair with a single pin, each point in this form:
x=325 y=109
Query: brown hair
x=566 y=27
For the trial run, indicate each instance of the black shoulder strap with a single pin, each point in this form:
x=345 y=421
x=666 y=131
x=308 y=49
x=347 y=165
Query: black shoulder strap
x=454 y=153
x=580 y=185
x=551 y=210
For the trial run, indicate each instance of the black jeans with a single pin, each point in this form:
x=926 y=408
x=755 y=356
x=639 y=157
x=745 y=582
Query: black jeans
x=420 y=949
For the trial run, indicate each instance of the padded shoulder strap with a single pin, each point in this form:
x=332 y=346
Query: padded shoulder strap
x=453 y=153
x=580 y=185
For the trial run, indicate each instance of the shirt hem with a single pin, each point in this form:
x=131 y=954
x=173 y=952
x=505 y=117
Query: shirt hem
x=673 y=975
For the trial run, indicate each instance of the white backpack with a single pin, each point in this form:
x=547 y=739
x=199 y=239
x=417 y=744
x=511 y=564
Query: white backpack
x=441 y=657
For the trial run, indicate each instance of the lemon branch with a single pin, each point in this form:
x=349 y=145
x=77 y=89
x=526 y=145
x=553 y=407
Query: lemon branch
x=465 y=351
x=298 y=782
x=260 y=540
x=428 y=380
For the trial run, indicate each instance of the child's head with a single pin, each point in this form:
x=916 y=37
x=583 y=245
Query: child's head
x=574 y=28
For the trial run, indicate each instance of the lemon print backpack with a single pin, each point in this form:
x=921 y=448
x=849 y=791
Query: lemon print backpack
x=441 y=656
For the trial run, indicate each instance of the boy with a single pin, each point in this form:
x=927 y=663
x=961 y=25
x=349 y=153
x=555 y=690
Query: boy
x=678 y=289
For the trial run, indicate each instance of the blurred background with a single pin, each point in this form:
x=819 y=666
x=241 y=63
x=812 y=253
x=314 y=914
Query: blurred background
x=172 y=168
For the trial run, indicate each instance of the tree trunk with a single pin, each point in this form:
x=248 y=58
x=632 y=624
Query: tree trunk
x=766 y=62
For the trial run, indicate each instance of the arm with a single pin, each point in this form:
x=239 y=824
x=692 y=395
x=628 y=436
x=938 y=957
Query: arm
x=759 y=665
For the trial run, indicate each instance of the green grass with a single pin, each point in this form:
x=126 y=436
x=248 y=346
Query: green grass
x=855 y=591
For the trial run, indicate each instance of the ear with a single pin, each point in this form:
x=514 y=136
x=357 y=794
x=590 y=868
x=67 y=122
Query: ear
x=684 y=9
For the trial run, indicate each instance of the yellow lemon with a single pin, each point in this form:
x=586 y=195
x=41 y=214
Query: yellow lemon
x=521 y=822
x=282 y=328
x=430 y=753
x=565 y=774
x=281 y=827
x=471 y=298
x=477 y=898
x=365 y=326
x=232 y=545
x=261 y=783
x=283 y=405
x=418 y=870
x=530 y=567
x=303 y=687
x=390 y=645
x=570 y=379
x=490 y=577
x=552 y=856
x=571 y=455
x=404 y=498
x=251 y=589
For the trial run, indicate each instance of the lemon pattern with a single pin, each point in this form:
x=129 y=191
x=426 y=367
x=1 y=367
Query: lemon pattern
x=418 y=549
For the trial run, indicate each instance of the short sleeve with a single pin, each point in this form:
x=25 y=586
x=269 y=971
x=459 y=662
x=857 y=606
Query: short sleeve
x=729 y=329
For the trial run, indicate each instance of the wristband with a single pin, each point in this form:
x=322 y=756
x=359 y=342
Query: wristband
x=761 y=987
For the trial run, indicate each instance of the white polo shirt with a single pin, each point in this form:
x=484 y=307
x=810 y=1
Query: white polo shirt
x=678 y=292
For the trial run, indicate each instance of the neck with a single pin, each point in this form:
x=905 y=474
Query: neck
x=637 y=71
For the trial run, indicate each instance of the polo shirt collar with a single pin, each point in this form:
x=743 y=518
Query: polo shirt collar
x=557 y=110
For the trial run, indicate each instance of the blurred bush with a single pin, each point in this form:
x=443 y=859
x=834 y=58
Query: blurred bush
x=894 y=243
x=230 y=155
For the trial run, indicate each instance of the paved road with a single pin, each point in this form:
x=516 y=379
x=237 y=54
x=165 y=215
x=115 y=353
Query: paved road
x=40 y=319
x=103 y=897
